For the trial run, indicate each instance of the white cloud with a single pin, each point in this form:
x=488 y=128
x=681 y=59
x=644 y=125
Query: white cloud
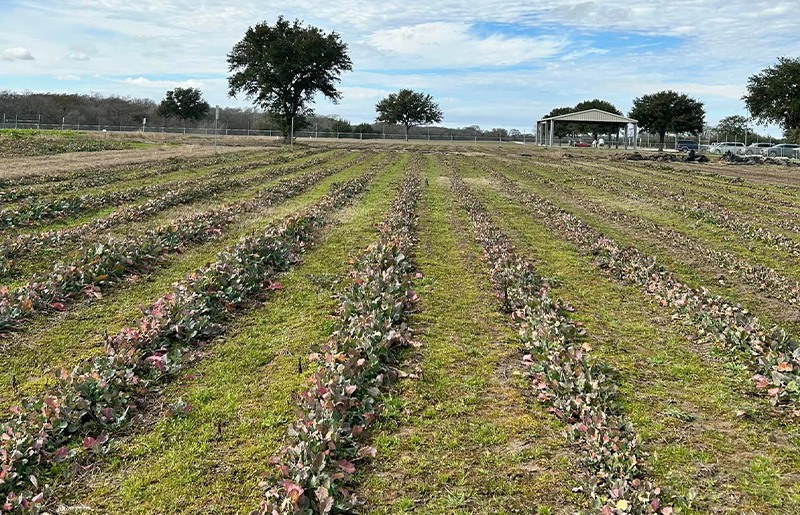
x=359 y=93
x=78 y=56
x=16 y=54
x=454 y=45
x=68 y=77
x=144 y=82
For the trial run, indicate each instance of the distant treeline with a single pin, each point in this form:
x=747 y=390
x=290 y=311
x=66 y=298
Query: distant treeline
x=97 y=109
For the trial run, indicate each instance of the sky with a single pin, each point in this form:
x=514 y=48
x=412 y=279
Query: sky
x=487 y=62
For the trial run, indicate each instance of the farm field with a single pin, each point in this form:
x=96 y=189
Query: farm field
x=392 y=327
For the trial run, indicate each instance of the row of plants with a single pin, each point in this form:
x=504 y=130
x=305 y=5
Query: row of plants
x=19 y=144
x=747 y=226
x=14 y=247
x=576 y=388
x=97 y=173
x=74 y=420
x=103 y=264
x=774 y=354
x=765 y=279
x=675 y=196
x=131 y=173
x=344 y=398
x=39 y=209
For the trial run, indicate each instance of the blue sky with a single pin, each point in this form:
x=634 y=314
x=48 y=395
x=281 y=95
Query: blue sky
x=488 y=62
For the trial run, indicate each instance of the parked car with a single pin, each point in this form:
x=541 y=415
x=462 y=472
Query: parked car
x=581 y=144
x=685 y=146
x=781 y=150
x=727 y=146
x=756 y=148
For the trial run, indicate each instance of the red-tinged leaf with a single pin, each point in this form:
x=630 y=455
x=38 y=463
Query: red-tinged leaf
x=275 y=286
x=347 y=466
x=59 y=306
x=367 y=451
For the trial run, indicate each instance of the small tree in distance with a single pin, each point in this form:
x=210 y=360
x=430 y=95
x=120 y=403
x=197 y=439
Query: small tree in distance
x=282 y=67
x=668 y=111
x=184 y=103
x=409 y=109
x=733 y=127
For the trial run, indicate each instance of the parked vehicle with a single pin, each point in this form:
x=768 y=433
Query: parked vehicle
x=581 y=144
x=727 y=146
x=685 y=146
x=756 y=148
x=781 y=150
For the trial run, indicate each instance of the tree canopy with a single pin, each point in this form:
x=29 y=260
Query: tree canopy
x=773 y=96
x=184 y=103
x=596 y=128
x=408 y=108
x=563 y=130
x=733 y=127
x=282 y=67
x=668 y=111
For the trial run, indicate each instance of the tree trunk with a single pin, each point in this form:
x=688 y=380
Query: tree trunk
x=661 y=136
x=406 y=132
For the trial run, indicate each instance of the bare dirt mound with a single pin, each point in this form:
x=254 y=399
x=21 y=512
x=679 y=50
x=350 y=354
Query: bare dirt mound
x=757 y=160
x=662 y=157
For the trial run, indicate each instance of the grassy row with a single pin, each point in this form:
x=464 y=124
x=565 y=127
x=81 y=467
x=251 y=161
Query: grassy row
x=708 y=435
x=212 y=458
x=70 y=337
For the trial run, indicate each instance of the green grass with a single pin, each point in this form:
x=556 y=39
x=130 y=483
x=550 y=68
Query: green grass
x=682 y=401
x=41 y=261
x=213 y=459
x=462 y=437
x=691 y=269
x=64 y=339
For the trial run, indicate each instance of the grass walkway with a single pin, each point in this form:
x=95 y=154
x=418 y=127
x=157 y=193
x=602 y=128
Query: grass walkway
x=212 y=460
x=682 y=401
x=462 y=438
x=66 y=338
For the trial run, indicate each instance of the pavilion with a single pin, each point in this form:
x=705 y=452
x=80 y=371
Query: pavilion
x=545 y=135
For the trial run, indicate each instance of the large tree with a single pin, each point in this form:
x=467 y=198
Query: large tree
x=597 y=128
x=409 y=109
x=184 y=103
x=281 y=67
x=773 y=96
x=668 y=111
x=561 y=129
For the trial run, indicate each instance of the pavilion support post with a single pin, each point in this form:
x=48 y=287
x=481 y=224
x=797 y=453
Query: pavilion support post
x=626 y=137
x=552 y=131
x=635 y=135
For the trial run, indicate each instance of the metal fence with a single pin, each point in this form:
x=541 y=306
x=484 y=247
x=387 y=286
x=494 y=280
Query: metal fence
x=645 y=141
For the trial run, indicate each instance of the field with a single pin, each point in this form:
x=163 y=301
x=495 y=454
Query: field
x=396 y=328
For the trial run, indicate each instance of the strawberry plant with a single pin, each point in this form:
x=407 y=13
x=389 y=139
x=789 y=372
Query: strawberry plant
x=775 y=355
x=576 y=388
x=352 y=368
x=104 y=394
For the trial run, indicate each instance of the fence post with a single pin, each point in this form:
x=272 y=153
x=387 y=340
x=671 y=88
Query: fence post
x=62 y=122
x=16 y=120
x=39 y=123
